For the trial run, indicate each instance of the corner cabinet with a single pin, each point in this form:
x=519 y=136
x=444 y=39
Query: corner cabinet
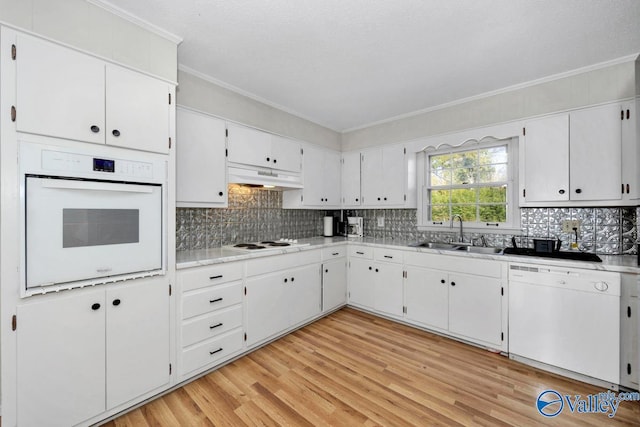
x=585 y=156
x=98 y=349
x=321 y=179
x=64 y=93
x=387 y=180
x=201 y=162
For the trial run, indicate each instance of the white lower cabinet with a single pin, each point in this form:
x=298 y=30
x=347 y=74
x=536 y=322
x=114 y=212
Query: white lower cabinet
x=334 y=278
x=427 y=297
x=361 y=292
x=280 y=295
x=90 y=351
x=629 y=326
x=211 y=317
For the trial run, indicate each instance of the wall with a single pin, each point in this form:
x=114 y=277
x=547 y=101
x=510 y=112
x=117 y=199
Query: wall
x=601 y=85
x=603 y=230
x=87 y=26
x=253 y=215
x=203 y=95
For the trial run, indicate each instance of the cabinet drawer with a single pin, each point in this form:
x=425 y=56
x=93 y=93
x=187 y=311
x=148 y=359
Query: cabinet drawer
x=269 y=264
x=211 y=325
x=361 y=252
x=211 y=351
x=202 y=277
x=210 y=299
x=388 y=255
x=334 y=252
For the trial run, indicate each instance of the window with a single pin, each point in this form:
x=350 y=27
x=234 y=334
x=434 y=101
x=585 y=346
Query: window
x=475 y=183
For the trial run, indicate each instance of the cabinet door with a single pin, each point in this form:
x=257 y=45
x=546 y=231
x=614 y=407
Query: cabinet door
x=388 y=297
x=314 y=176
x=475 y=308
x=361 y=286
x=596 y=153
x=303 y=290
x=137 y=111
x=61 y=359
x=265 y=314
x=137 y=339
x=631 y=150
x=427 y=297
x=371 y=172
x=331 y=178
x=334 y=284
x=351 y=179
x=546 y=160
x=285 y=154
x=60 y=92
x=249 y=146
x=201 y=162
x=394 y=175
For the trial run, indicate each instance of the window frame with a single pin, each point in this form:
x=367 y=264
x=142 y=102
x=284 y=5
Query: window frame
x=512 y=203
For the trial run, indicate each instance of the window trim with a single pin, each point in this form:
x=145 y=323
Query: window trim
x=513 y=208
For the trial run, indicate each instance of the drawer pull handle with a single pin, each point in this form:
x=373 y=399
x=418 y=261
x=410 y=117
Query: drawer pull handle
x=219 y=276
x=388 y=256
x=215 y=351
x=215 y=326
x=211 y=301
x=360 y=253
x=335 y=253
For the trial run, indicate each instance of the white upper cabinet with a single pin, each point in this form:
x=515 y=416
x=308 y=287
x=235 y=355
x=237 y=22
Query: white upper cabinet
x=578 y=157
x=201 y=170
x=321 y=179
x=66 y=94
x=384 y=177
x=253 y=147
x=351 y=180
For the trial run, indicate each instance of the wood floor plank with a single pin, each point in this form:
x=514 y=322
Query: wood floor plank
x=355 y=369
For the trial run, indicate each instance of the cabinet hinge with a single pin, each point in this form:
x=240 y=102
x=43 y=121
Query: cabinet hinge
x=14 y=52
x=524 y=192
x=628 y=368
x=170 y=368
x=14 y=322
x=405 y=197
x=404 y=309
x=622 y=188
x=169 y=99
x=170 y=290
x=245 y=336
x=628 y=311
x=524 y=131
x=622 y=115
x=404 y=274
x=302 y=151
x=501 y=336
x=245 y=290
x=502 y=291
x=226 y=152
x=226 y=132
x=405 y=150
x=301 y=198
x=628 y=114
x=13 y=113
x=169 y=143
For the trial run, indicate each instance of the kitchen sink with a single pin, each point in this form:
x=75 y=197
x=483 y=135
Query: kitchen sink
x=437 y=245
x=480 y=250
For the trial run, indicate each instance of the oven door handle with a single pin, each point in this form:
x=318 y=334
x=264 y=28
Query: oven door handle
x=67 y=184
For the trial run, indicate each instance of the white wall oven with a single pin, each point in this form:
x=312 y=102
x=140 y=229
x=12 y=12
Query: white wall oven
x=90 y=215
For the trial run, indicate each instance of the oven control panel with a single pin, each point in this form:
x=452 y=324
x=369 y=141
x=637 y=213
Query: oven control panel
x=80 y=163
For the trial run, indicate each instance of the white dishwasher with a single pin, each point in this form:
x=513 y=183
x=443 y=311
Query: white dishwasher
x=567 y=318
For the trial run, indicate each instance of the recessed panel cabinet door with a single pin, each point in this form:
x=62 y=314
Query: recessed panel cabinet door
x=137 y=340
x=546 y=160
x=61 y=359
x=137 y=111
x=427 y=297
x=596 y=157
x=60 y=92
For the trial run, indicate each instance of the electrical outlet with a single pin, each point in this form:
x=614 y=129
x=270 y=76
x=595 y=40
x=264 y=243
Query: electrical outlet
x=569 y=224
x=380 y=221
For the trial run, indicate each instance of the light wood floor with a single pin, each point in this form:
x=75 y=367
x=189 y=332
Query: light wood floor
x=352 y=368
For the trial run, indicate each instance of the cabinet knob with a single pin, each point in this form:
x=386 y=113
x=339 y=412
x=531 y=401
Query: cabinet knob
x=95 y=129
x=326 y=270
x=561 y=191
x=268 y=159
x=286 y=280
x=356 y=199
x=292 y=279
x=220 y=193
x=385 y=198
x=370 y=268
x=95 y=306
x=442 y=280
x=627 y=186
x=376 y=270
x=578 y=190
x=116 y=302
x=453 y=283
x=275 y=160
x=378 y=198
x=115 y=133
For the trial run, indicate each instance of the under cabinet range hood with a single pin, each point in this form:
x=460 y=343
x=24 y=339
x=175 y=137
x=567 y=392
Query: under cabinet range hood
x=247 y=174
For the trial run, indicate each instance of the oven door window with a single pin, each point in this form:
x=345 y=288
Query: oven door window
x=83 y=229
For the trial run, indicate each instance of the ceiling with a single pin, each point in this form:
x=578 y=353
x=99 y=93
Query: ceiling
x=348 y=63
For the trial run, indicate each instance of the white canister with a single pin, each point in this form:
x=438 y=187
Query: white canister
x=328 y=226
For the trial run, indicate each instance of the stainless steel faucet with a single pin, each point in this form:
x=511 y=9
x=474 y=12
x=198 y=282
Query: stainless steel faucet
x=460 y=239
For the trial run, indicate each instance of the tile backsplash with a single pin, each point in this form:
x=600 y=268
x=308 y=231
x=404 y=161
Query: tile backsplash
x=253 y=214
x=256 y=214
